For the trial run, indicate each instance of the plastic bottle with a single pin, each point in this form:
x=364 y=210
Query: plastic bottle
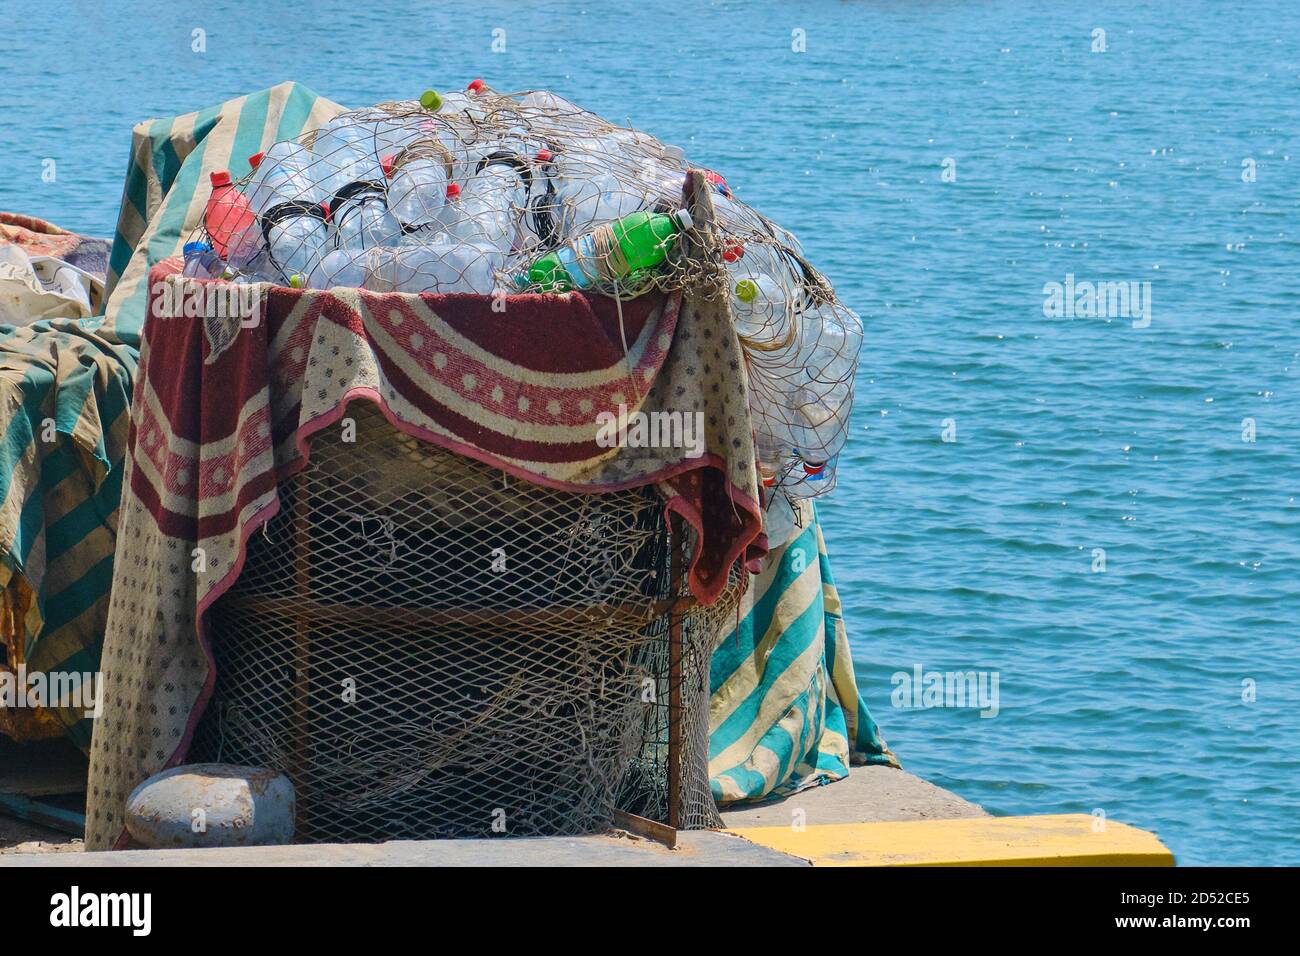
x=391 y=131
x=228 y=218
x=440 y=265
x=466 y=102
x=201 y=262
x=821 y=395
x=810 y=479
x=820 y=422
x=417 y=190
x=587 y=188
x=774 y=456
x=359 y=218
x=760 y=309
x=550 y=103
x=280 y=176
x=488 y=209
x=543 y=221
x=779 y=521
x=734 y=216
x=289 y=208
x=339 y=268
x=643 y=239
x=344 y=153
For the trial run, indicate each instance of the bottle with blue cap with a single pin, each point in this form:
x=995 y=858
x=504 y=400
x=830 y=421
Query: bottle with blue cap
x=201 y=262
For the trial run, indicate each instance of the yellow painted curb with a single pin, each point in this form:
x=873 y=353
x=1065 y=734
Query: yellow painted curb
x=1053 y=840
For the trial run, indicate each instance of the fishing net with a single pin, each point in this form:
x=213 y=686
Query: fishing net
x=495 y=194
x=431 y=648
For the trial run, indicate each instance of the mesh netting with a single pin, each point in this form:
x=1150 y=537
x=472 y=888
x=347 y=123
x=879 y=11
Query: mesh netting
x=488 y=193
x=431 y=648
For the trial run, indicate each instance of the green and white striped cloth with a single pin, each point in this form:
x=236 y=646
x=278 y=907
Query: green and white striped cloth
x=167 y=184
x=785 y=713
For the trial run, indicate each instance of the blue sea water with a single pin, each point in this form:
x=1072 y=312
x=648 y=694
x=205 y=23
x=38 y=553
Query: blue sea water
x=1123 y=691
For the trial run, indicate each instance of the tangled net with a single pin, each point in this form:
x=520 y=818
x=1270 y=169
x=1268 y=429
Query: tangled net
x=541 y=688
x=488 y=193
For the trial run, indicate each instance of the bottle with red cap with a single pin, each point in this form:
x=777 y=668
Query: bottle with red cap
x=468 y=102
x=774 y=455
x=289 y=207
x=417 y=189
x=489 y=208
x=281 y=174
x=811 y=479
x=228 y=218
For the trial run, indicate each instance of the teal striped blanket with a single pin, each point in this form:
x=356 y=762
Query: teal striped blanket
x=785 y=712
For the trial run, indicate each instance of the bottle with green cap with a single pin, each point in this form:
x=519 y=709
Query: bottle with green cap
x=760 y=308
x=643 y=240
x=469 y=102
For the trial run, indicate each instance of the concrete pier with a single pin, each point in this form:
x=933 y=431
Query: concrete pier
x=877 y=817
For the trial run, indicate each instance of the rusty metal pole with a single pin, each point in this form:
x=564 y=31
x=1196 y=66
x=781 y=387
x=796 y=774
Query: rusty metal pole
x=302 y=647
x=675 y=715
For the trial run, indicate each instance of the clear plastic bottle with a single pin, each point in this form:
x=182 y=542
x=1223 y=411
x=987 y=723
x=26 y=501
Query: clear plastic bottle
x=587 y=189
x=359 y=218
x=779 y=520
x=822 y=392
x=281 y=175
x=339 y=268
x=551 y=104
x=201 y=262
x=467 y=102
x=288 y=206
x=417 y=190
x=440 y=265
x=489 y=208
x=760 y=308
x=344 y=153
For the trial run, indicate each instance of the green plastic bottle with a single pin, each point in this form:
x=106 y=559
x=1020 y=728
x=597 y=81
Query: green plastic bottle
x=643 y=237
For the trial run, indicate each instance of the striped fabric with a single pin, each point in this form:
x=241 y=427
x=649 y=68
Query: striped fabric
x=59 y=498
x=64 y=396
x=785 y=712
x=167 y=184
